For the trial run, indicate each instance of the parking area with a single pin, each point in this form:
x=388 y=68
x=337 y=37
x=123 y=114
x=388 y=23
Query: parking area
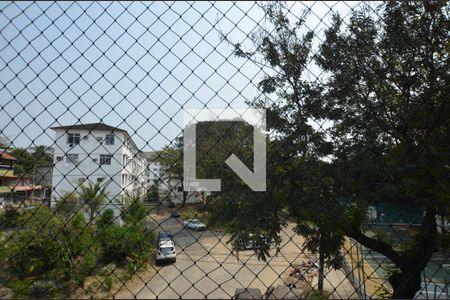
x=206 y=266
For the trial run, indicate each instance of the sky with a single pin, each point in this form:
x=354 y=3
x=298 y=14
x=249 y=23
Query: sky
x=134 y=65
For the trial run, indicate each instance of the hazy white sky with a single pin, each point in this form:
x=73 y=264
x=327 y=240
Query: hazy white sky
x=132 y=65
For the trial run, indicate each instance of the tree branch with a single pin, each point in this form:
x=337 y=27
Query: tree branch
x=377 y=245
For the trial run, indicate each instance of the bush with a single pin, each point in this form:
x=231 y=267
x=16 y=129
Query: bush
x=134 y=213
x=41 y=288
x=105 y=220
x=47 y=248
x=20 y=287
x=130 y=242
x=119 y=243
x=10 y=217
x=108 y=283
x=50 y=248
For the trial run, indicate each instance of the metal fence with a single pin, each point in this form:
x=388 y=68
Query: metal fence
x=94 y=195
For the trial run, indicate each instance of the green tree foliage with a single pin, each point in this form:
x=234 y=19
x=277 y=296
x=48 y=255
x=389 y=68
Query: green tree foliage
x=68 y=205
x=93 y=196
x=391 y=120
x=134 y=213
x=10 y=217
x=51 y=248
x=153 y=193
x=235 y=205
x=298 y=179
x=5 y=143
x=47 y=247
x=27 y=162
x=172 y=159
x=132 y=242
x=386 y=100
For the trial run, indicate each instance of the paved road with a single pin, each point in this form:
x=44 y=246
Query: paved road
x=206 y=267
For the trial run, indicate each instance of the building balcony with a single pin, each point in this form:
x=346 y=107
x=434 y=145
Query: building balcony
x=7 y=173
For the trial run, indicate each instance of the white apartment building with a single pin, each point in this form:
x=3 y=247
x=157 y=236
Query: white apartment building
x=156 y=172
x=90 y=151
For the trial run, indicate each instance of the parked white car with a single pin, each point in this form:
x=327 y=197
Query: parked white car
x=194 y=224
x=166 y=251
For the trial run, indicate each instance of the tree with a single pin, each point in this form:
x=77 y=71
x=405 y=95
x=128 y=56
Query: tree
x=132 y=242
x=134 y=212
x=4 y=142
x=248 y=214
x=42 y=156
x=172 y=159
x=298 y=178
x=215 y=142
x=385 y=97
x=27 y=162
x=68 y=205
x=93 y=196
x=48 y=247
x=153 y=194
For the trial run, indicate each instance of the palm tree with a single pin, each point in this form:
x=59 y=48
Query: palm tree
x=93 y=195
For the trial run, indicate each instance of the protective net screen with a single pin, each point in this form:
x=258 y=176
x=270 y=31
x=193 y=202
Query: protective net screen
x=224 y=150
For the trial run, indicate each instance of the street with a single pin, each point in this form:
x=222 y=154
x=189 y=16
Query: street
x=206 y=267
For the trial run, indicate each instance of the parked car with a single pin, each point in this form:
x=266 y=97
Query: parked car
x=166 y=252
x=164 y=236
x=176 y=214
x=194 y=224
x=250 y=243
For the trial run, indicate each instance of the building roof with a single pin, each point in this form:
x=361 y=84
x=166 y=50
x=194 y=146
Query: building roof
x=6 y=156
x=89 y=126
x=25 y=188
x=95 y=126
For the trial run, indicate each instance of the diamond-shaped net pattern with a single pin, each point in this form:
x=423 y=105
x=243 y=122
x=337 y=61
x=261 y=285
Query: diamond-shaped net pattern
x=92 y=96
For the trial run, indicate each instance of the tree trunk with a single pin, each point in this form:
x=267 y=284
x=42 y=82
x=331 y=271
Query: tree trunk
x=405 y=285
x=184 y=198
x=184 y=193
x=407 y=281
x=321 y=268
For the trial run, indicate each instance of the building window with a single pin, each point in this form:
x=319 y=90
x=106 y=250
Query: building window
x=105 y=159
x=73 y=138
x=109 y=139
x=72 y=158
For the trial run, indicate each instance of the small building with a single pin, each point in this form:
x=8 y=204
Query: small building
x=43 y=176
x=16 y=189
x=156 y=172
x=88 y=152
